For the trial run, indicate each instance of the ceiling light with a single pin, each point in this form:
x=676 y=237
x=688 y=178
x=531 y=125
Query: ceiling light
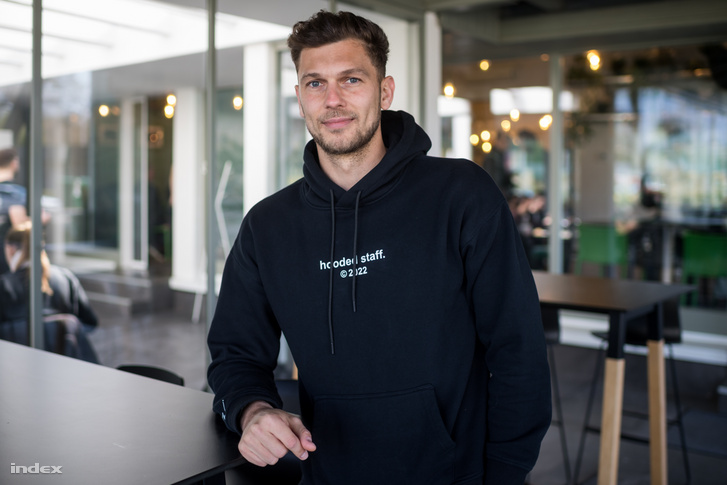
x=474 y=139
x=449 y=90
x=237 y=102
x=545 y=122
x=594 y=60
x=484 y=64
x=103 y=110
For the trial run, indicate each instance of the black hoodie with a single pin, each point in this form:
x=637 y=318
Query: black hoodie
x=411 y=313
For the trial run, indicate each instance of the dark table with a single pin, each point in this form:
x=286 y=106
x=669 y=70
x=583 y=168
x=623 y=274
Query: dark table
x=104 y=426
x=621 y=300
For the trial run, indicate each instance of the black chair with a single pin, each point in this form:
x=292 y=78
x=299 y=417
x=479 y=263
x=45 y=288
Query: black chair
x=637 y=334
x=154 y=373
x=287 y=470
x=551 y=325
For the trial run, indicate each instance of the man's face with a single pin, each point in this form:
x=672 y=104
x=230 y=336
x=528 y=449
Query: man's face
x=340 y=96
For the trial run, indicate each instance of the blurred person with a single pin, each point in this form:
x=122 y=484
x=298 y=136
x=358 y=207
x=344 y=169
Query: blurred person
x=13 y=198
x=62 y=291
x=495 y=163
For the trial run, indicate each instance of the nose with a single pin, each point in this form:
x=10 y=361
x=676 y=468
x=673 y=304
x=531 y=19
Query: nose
x=334 y=96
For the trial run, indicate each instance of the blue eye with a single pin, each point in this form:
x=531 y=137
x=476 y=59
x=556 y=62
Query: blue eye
x=353 y=80
x=314 y=84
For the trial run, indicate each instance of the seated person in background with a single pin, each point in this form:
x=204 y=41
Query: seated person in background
x=62 y=292
x=13 y=198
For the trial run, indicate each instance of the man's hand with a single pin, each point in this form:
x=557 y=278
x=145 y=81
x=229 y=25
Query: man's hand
x=268 y=434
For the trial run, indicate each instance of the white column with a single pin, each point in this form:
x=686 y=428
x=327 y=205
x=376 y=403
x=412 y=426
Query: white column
x=126 y=182
x=259 y=123
x=133 y=184
x=188 y=193
x=403 y=65
x=432 y=80
x=555 y=170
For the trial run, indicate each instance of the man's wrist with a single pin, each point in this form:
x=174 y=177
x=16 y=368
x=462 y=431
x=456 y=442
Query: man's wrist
x=250 y=410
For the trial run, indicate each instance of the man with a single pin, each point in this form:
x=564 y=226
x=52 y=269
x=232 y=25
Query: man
x=13 y=198
x=402 y=289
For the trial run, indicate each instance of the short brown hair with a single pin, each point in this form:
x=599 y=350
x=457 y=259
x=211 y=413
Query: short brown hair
x=325 y=28
x=7 y=156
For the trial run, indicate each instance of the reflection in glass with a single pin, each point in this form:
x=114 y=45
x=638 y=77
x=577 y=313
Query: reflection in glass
x=292 y=133
x=647 y=139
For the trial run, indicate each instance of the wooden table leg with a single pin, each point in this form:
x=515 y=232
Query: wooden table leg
x=613 y=387
x=657 y=412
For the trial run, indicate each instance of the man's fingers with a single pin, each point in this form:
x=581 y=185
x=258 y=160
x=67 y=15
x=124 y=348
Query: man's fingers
x=258 y=454
x=296 y=437
x=270 y=434
x=304 y=436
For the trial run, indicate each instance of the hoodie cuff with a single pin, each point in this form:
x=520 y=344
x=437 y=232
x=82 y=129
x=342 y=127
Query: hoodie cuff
x=232 y=413
x=500 y=473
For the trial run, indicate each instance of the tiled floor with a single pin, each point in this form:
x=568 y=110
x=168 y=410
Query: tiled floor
x=173 y=341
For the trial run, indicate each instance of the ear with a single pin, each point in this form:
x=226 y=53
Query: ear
x=300 y=106
x=387 y=92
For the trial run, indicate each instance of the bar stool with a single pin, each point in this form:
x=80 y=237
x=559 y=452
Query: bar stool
x=636 y=334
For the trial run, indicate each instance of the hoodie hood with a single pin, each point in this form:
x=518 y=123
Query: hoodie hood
x=404 y=141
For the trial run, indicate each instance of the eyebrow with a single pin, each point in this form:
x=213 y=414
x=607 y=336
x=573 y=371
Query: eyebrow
x=347 y=72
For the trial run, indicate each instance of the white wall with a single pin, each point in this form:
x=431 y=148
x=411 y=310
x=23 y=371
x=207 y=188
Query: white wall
x=259 y=132
x=188 y=193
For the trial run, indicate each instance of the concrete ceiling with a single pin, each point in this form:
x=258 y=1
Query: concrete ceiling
x=497 y=29
x=516 y=30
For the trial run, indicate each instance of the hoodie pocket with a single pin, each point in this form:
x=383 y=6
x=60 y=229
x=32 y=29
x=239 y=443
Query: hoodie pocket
x=396 y=438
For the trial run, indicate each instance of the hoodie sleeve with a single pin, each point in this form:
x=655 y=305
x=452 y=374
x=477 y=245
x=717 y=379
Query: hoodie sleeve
x=507 y=312
x=244 y=338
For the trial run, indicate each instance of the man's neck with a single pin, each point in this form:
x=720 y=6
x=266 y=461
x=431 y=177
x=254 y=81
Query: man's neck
x=346 y=170
x=6 y=175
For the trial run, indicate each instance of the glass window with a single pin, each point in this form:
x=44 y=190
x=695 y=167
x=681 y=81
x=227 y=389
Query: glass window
x=15 y=69
x=229 y=164
x=646 y=136
x=511 y=122
x=292 y=133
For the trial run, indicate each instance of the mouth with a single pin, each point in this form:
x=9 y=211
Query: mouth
x=338 y=122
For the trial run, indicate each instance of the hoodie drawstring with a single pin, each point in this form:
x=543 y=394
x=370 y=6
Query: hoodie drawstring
x=330 y=274
x=355 y=240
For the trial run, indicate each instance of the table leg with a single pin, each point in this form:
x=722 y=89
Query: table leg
x=613 y=386
x=657 y=412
